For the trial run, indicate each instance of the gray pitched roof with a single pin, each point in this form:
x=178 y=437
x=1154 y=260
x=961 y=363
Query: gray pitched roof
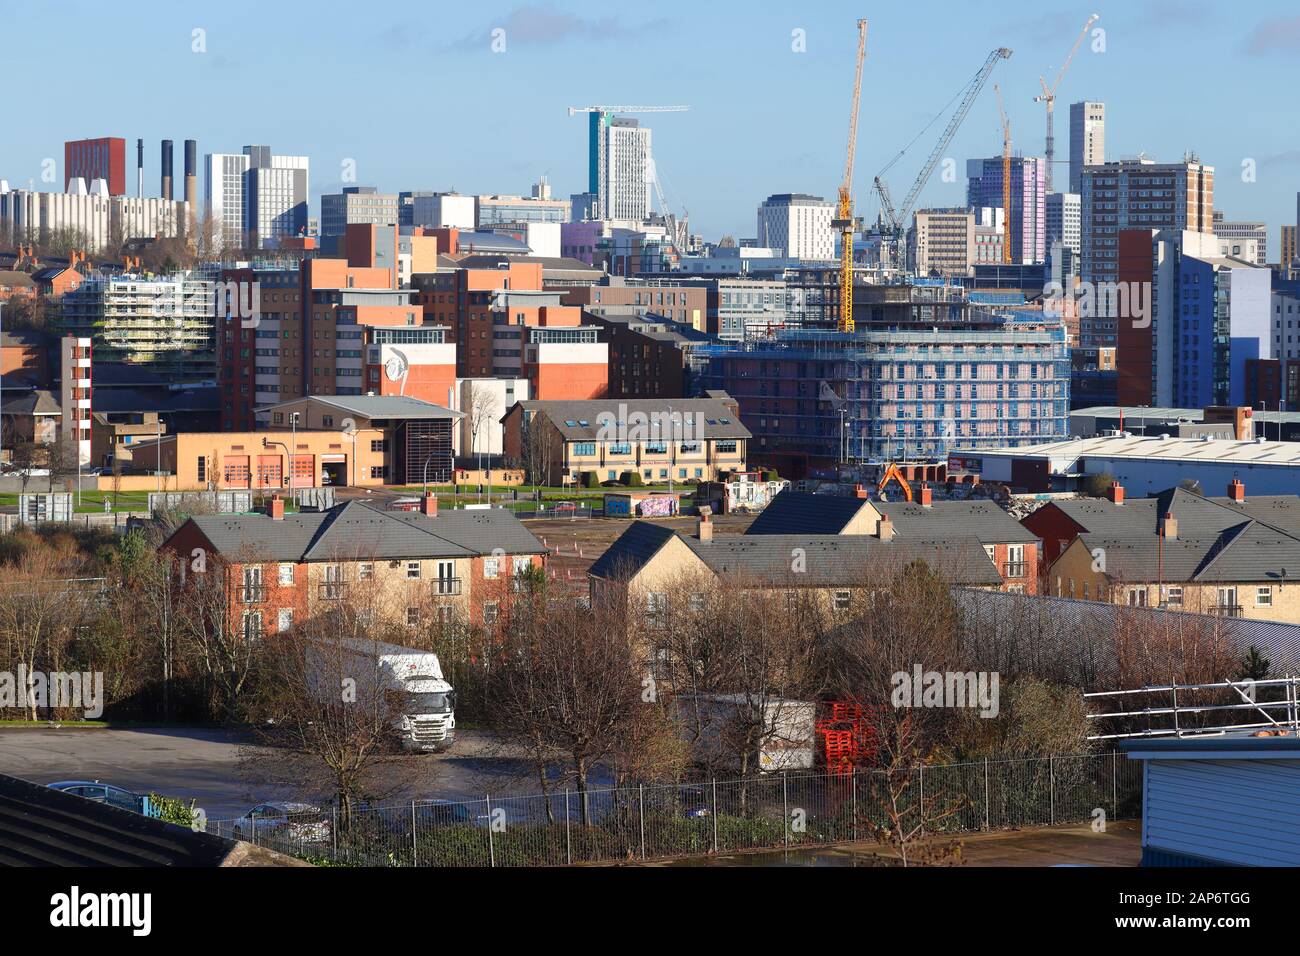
x=797 y=512
x=825 y=560
x=380 y=406
x=1250 y=551
x=700 y=418
x=632 y=550
x=1197 y=515
x=983 y=520
x=841 y=560
x=356 y=530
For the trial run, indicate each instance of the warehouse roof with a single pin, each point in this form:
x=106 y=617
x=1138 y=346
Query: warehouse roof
x=356 y=531
x=1201 y=450
x=623 y=419
x=1140 y=415
x=378 y=406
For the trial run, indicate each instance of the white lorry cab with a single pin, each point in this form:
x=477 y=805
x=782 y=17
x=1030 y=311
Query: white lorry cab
x=422 y=703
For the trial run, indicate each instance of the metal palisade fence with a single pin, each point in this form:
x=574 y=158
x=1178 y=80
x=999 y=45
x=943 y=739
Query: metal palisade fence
x=718 y=816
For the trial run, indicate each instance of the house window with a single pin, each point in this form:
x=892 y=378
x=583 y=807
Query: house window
x=1175 y=597
x=252 y=626
x=490 y=610
x=327 y=421
x=203 y=470
x=842 y=600
x=656 y=603
x=365 y=571
x=285 y=621
x=491 y=568
x=1137 y=597
x=413 y=570
x=412 y=617
x=285 y=576
x=1264 y=597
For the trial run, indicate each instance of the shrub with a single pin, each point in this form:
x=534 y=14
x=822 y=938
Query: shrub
x=631 y=478
x=589 y=480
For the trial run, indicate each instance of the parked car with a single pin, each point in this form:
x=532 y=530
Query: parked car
x=451 y=813
x=103 y=793
x=296 y=822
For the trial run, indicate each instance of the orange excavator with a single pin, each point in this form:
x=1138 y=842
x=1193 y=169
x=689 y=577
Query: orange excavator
x=893 y=473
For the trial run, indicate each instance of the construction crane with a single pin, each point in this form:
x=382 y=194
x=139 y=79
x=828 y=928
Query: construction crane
x=1048 y=96
x=1006 y=178
x=893 y=218
x=844 y=220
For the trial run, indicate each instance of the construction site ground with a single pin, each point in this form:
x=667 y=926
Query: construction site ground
x=576 y=543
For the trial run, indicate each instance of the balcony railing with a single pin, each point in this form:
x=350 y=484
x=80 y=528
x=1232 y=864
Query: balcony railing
x=333 y=590
x=1227 y=610
x=443 y=587
x=1014 y=569
x=252 y=594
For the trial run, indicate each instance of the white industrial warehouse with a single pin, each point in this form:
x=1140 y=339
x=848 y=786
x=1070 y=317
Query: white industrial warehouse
x=1143 y=465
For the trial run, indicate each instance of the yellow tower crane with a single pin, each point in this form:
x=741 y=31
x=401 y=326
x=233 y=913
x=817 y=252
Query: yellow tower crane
x=844 y=220
x=1006 y=179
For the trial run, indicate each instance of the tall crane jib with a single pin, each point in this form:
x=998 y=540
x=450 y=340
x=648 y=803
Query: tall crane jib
x=893 y=218
x=844 y=220
x=1048 y=97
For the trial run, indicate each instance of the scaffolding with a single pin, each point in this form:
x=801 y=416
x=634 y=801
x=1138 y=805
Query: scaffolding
x=1185 y=716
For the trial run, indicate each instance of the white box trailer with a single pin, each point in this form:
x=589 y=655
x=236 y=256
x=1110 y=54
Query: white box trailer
x=716 y=724
x=423 y=702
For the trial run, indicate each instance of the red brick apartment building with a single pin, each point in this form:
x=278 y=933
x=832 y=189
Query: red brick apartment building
x=416 y=568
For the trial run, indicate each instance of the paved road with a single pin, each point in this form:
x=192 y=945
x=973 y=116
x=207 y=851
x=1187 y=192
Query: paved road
x=204 y=765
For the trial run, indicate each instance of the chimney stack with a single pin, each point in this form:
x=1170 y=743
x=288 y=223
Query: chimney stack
x=429 y=506
x=1170 y=526
x=165 y=188
x=191 y=174
x=277 y=508
x=926 y=494
x=860 y=491
x=1115 y=493
x=885 y=528
x=1237 y=491
x=139 y=167
x=704 y=527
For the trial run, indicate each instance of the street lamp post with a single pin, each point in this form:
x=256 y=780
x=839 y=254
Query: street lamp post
x=672 y=458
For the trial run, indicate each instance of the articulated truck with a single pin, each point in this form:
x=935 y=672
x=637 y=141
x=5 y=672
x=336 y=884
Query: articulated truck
x=422 y=703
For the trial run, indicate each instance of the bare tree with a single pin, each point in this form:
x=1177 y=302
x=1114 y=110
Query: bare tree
x=484 y=409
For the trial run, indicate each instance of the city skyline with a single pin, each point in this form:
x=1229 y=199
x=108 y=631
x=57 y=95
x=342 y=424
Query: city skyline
x=745 y=137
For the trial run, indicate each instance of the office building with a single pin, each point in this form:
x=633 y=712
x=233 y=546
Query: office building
x=1064 y=222
x=443 y=211
x=799 y=225
x=91 y=159
x=1027 y=218
x=1139 y=194
x=1087 y=140
x=1242 y=240
x=625 y=170
x=941 y=242
x=356 y=205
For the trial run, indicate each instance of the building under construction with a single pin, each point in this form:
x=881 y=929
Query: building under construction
x=950 y=374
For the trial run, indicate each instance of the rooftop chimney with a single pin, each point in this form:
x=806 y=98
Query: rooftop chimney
x=277 y=508
x=1170 y=526
x=1237 y=491
x=860 y=491
x=885 y=528
x=926 y=494
x=704 y=527
x=165 y=187
x=1115 y=493
x=139 y=168
x=429 y=506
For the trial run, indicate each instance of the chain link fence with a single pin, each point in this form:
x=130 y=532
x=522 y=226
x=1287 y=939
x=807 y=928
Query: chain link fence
x=717 y=816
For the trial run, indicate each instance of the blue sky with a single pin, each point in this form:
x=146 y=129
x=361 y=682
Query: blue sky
x=415 y=95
